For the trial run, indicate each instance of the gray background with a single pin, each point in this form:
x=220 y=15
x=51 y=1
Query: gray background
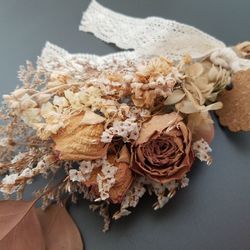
x=214 y=211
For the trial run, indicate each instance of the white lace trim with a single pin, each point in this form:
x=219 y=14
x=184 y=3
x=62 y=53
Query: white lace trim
x=54 y=58
x=147 y=37
x=152 y=35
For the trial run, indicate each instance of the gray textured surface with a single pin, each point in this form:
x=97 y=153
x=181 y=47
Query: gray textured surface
x=214 y=211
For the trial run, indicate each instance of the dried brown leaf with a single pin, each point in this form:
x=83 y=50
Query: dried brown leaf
x=60 y=231
x=19 y=226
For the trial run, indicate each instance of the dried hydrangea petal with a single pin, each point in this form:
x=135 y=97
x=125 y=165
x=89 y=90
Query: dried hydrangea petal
x=175 y=97
x=235 y=113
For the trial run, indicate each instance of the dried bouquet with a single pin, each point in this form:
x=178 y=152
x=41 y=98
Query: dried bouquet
x=118 y=129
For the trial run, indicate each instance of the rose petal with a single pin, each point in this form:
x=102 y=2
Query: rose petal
x=157 y=123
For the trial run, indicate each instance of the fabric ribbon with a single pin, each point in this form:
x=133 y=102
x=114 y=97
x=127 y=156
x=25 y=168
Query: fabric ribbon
x=157 y=36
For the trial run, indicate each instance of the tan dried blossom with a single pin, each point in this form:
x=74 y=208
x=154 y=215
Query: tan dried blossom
x=203 y=83
x=79 y=141
x=153 y=81
x=153 y=68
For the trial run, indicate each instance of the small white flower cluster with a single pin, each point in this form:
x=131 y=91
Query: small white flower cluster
x=201 y=150
x=128 y=130
x=8 y=184
x=106 y=180
x=12 y=182
x=103 y=212
x=184 y=182
x=85 y=170
x=162 y=192
x=132 y=197
x=19 y=157
x=76 y=175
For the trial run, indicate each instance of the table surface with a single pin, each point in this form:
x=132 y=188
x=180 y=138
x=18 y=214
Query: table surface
x=213 y=212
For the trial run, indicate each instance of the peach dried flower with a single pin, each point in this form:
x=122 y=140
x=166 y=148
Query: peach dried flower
x=80 y=142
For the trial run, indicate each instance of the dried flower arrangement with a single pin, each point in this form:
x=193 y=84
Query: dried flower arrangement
x=118 y=130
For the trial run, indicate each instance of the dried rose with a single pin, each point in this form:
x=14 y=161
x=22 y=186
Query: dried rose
x=78 y=141
x=163 y=150
x=123 y=176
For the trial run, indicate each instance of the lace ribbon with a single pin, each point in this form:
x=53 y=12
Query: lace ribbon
x=145 y=37
x=157 y=36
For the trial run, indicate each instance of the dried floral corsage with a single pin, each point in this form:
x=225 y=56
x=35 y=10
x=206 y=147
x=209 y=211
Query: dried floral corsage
x=119 y=126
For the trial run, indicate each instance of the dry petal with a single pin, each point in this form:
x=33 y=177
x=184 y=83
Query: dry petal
x=175 y=97
x=80 y=142
x=235 y=113
x=123 y=179
x=124 y=155
x=201 y=126
x=195 y=70
x=91 y=118
x=157 y=124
